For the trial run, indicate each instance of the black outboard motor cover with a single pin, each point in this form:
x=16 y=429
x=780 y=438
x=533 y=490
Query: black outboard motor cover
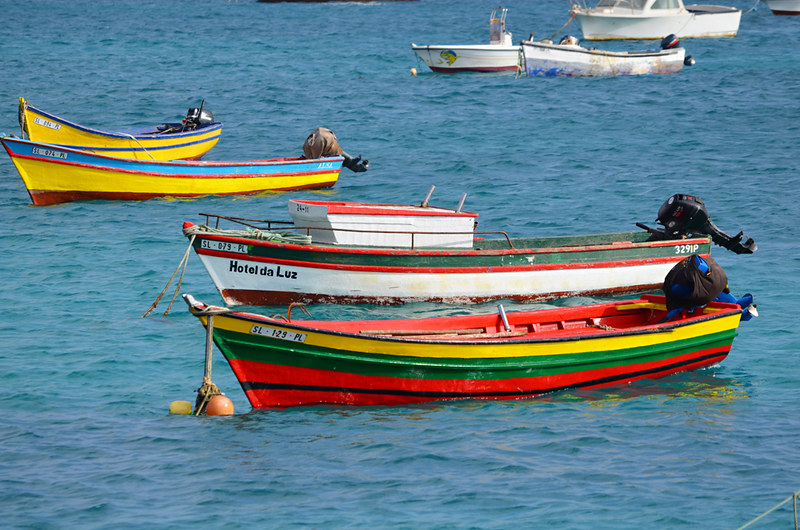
x=197 y=117
x=687 y=214
x=670 y=41
x=681 y=214
x=694 y=281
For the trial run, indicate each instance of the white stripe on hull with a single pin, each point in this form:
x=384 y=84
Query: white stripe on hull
x=265 y=277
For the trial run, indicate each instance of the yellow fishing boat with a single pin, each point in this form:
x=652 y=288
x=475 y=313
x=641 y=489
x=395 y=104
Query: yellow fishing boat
x=189 y=139
x=55 y=174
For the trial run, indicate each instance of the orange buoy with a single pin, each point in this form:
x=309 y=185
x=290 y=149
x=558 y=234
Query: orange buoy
x=219 y=406
x=413 y=71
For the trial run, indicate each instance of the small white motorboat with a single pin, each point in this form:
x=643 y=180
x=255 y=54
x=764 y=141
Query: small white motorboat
x=499 y=55
x=568 y=58
x=784 y=7
x=655 y=19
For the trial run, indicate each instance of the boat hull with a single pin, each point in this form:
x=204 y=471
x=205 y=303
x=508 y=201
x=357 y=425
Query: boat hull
x=543 y=59
x=253 y=272
x=281 y=364
x=143 y=142
x=53 y=174
x=695 y=21
x=476 y=58
x=784 y=7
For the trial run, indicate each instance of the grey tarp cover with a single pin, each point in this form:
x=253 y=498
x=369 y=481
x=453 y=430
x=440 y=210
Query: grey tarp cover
x=321 y=143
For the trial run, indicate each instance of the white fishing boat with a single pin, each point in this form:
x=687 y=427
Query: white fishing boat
x=568 y=58
x=394 y=253
x=499 y=55
x=654 y=19
x=784 y=7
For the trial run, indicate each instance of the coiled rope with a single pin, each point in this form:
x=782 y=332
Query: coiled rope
x=794 y=497
x=281 y=236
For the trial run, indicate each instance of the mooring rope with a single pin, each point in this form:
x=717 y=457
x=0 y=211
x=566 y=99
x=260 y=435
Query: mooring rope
x=562 y=27
x=132 y=137
x=746 y=12
x=23 y=121
x=206 y=391
x=182 y=264
x=794 y=497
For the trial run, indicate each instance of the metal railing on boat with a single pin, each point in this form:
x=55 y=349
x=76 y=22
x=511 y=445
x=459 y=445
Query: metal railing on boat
x=265 y=224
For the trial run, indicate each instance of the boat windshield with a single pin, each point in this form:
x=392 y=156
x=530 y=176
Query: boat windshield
x=666 y=4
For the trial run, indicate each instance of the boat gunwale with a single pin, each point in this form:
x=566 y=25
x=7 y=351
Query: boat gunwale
x=470 y=47
x=726 y=310
x=439 y=251
x=121 y=161
x=604 y=53
x=122 y=134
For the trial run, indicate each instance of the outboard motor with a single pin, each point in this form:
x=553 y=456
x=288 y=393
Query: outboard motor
x=197 y=117
x=669 y=42
x=687 y=215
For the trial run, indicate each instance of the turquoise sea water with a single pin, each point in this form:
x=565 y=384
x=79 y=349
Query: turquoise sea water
x=85 y=438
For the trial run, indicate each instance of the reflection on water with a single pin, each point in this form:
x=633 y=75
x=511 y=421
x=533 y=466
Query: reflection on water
x=697 y=385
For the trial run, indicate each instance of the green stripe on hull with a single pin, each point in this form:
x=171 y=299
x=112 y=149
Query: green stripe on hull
x=501 y=254
x=257 y=349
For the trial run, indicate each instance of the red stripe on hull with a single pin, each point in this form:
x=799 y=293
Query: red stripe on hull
x=269 y=385
x=48 y=197
x=474 y=69
x=783 y=13
x=262 y=298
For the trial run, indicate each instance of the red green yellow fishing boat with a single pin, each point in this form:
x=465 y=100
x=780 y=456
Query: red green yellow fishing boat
x=512 y=355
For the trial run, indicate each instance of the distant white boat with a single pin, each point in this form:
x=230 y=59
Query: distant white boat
x=499 y=55
x=569 y=59
x=655 y=19
x=784 y=7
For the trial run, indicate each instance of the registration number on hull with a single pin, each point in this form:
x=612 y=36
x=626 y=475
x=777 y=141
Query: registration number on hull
x=38 y=151
x=687 y=249
x=275 y=333
x=223 y=246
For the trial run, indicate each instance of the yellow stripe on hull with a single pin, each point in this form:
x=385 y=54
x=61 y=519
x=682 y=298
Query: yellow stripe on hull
x=493 y=350
x=40 y=175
